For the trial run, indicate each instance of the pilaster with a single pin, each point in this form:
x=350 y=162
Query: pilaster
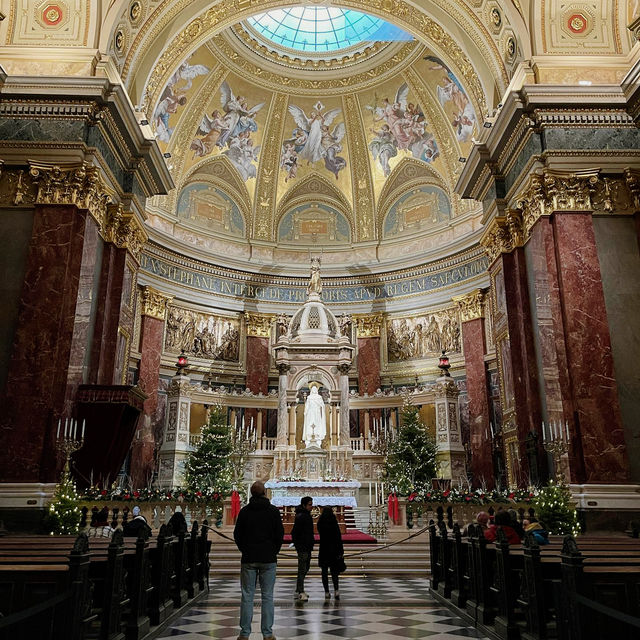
x=451 y=455
x=368 y=335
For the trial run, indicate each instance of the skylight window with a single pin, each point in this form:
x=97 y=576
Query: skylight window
x=318 y=29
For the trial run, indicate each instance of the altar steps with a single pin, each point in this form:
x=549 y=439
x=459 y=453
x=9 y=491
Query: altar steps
x=406 y=559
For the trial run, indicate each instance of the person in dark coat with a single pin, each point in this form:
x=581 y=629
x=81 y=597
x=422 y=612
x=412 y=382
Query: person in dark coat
x=331 y=553
x=177 y=522
x=303 y=540
x=131 y=529
x=258 y=534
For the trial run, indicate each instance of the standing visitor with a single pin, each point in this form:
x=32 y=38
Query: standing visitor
x=303 y=540
x=258 y=534
x=331 y=553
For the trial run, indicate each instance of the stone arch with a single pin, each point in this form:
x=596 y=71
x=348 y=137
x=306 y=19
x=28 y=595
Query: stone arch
x=301 y=376
x=451 y=29
x=314 y=187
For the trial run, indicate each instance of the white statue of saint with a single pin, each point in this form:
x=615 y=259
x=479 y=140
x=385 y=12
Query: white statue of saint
x=315 y=425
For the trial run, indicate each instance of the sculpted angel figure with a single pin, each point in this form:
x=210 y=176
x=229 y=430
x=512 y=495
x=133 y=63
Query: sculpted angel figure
x=315 y=284
x=312 y=125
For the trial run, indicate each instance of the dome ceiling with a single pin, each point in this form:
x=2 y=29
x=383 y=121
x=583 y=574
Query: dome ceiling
x=275 y=151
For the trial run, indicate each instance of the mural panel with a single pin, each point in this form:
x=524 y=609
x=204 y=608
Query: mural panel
x=423 y=336
x=452 y=97
x=396 y=128
x=314 y=142
x=230 y=129
x=202 y=334
x=207 y=206
x=312 y=223
x=175 y=96
x=416 y=210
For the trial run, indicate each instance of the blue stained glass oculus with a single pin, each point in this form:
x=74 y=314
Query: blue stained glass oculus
x=318 y=29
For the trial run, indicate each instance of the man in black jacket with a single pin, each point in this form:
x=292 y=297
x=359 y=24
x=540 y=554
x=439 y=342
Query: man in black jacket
x=302 y=537
x=258 y=535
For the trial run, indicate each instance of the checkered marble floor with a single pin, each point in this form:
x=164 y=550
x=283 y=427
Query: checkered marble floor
x=371 y=608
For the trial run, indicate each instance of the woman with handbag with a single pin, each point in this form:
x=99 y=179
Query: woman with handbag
x=331 y=554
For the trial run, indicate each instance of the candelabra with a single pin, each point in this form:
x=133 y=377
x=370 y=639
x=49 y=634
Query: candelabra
x=381 y=438
x=243 y=442
x=555 y=439
x=68 y=443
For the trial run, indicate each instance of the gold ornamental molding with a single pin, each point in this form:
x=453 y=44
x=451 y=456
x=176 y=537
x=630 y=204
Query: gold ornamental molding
x=123 y=229
x=154 y=303
x=471 y=305
x=259 y=325
x=369 y=326
x=549 y=192
x=78 y=184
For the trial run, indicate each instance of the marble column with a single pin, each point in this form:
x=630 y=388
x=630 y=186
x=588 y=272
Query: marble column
x=471 y=308
x=50 y=342
x=517 y=365
x=368 y=332
x=283 y=418
x=258 y=359
x=344 y=439
x=451 y=455
x=597 y=417
x=175 y=446
x=153 y=312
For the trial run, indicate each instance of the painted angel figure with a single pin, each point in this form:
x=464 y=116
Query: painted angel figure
x=331 y=146
x=239 y=118
x=242 y=155
x=210 y=129
x=187 y=72
x=312 y=125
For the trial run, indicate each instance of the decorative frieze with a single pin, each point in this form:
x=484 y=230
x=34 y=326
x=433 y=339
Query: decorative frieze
x=368 y=326
x=154 y=303
x=259 y=325
x=471 y=305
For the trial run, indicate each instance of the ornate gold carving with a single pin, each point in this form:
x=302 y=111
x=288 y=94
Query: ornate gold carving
x=17 y=188
x=180 y=388
x=266 y=190
x=632 y=176
x=258 y=325
x=360 y=171
x=471 y=305
x=154 y=303
x=503 y=235
x=368 y=326
x=78 y=184
x=124 y=229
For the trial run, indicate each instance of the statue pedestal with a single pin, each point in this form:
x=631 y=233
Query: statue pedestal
x=313 y=461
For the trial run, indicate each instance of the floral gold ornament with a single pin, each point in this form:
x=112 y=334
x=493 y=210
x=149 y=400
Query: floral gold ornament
x=368 y=326
x=471 y=305
x=510 y=49
x=154 y=303
x=52 y=15
x=119 y=41
x=577 y=23
x=259 y=325
x=496 y=17
x=135 y=11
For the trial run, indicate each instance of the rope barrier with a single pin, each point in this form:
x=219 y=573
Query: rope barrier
x=347 y=555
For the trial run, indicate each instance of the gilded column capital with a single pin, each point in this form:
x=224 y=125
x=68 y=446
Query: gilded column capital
x=632 y=177
x=368 y=326
x=471 y=305
x=180 y=387
x=154 y=303
x=258 y=325
x=123 y=229
x=78 y=183
x=503 y=234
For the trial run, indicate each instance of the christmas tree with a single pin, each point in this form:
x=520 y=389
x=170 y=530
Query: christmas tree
x=64 y=513
x=411 y=459
x=555 y=510
x=209 y=467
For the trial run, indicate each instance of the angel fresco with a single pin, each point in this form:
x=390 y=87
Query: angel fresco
x=450 y=90
x=174 y=96
x=404 y=128
x=313 y=140
x=230 y=127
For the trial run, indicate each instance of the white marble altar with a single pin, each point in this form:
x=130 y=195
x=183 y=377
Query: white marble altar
x=287 y=494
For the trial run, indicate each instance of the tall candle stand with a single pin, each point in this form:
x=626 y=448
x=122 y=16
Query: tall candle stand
x=68 y=442
x=555 y=439
x=242 y=444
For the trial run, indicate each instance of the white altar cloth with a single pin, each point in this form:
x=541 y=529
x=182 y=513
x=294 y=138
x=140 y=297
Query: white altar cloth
x=288 y=494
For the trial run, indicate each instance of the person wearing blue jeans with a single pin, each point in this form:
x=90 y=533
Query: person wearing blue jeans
x=258 y=534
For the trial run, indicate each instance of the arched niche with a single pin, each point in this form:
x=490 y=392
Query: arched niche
x=313 y=223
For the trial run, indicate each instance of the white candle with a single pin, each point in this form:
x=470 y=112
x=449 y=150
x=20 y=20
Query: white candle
x=376 y=492
x=544 y=435
x=491 y=428
x=369 y=492
x=58 y=433
x=251 y=423
x=75 y=428
x=66 y=422
x=84 y=422
x=566 y=426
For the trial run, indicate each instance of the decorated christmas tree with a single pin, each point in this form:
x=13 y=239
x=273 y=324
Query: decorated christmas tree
x=411 y=459
x=555 y=510
x=64 y=512
x=209 y=467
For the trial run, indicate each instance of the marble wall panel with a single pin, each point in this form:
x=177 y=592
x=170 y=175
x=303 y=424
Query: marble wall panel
x=368 y=364
x=258 y=360
x=590 y=357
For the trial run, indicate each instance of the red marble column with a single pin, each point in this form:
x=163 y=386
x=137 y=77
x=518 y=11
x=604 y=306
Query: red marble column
x=597 y=417
x=369 y=364
x=258 y=364
x=474 y=347
x=151 y=334
x=51 y=340
x=517 y=362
